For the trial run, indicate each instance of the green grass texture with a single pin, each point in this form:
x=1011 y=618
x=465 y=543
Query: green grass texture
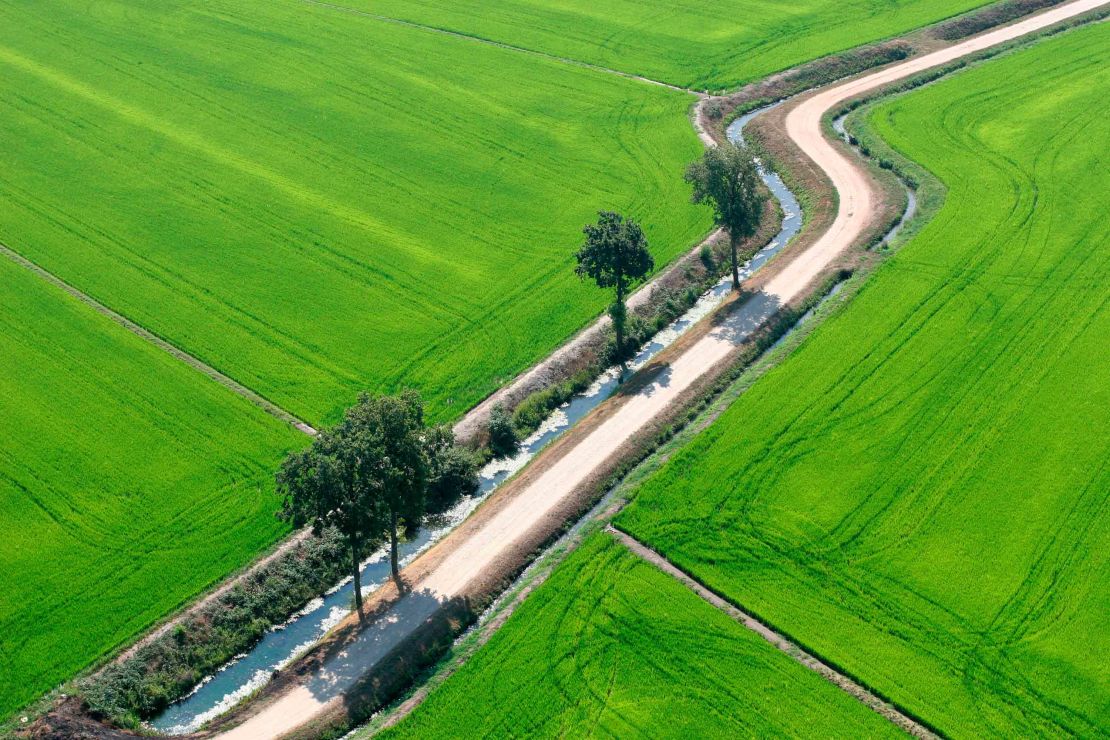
x=318 y=203
x=128 y=483
x=700 y=45
x=920 y=493
x=610 y=646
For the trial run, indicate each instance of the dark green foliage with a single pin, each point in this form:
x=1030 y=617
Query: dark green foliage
x=531 y=412
x=615 y=255
x=452 y=471
x=503 y=441
x=366 y=477
x=726 y=178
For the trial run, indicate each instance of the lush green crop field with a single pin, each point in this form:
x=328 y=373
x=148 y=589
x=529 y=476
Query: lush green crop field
x=694 y=44
x=316 y=202
x=128 y=482
x=921 y=492
x=611 y=646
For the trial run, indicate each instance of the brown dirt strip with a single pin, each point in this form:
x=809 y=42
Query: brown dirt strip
x=230 y=383
x=779 y=641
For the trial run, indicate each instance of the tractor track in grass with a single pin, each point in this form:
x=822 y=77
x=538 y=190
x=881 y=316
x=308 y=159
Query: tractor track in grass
x=779 y=641
x=192 y=361
x=501 y=536
x=498 y=44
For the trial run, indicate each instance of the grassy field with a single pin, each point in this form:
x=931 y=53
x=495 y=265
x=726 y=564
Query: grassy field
x=316 y=202
x=610 y=646
x=128 y=482
x=693 y=44
x=920 y=493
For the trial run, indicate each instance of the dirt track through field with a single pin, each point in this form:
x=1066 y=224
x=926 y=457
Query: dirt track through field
x=782 y=643
x=466 y=556
x=230 y=383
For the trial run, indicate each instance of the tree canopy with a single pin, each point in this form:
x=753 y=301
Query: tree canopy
x=369 y=476
x=727 y=179
x=615 y=255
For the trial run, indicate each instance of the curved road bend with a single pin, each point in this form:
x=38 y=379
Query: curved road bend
x=471 y=556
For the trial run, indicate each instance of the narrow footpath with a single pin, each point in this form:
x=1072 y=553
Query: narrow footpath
x=470 y=553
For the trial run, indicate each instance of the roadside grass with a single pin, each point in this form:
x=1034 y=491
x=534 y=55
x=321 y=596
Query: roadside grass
x=128 y=483
x=609 y=645
x=703 y=46
x=919 y=494
x=317 y=203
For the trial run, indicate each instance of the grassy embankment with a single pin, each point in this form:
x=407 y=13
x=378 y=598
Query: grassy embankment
x=919 y=494
x=128 y=482
x=610 y=645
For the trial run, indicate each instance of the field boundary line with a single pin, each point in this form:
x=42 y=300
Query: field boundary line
x=807 y=659
x=498 y=44
x=197 y=364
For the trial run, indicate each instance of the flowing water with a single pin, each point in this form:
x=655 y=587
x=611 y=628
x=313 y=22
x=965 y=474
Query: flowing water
x=282 y=644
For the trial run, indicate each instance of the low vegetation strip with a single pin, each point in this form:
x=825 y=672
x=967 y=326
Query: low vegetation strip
x=128 y=483
x=713 y=46
x=317 y=203
x=919 y=494
x=609 y=645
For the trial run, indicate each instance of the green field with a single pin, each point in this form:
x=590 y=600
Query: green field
x=317 y=203
x=694 y=44
x=920 y=493
x=612 y=646
x=128 y=482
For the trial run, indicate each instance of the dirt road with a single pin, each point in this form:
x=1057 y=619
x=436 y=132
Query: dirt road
x=477 y=550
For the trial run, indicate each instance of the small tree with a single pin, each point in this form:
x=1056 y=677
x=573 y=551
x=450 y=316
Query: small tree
x=503 y=441
x=615 y=255
x=366 y=477
x=727 y=179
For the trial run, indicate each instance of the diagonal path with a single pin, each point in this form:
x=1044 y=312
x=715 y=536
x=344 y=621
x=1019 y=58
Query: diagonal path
x=230 y=383
x=826 y=671
x=472 y=553
x=490 y=42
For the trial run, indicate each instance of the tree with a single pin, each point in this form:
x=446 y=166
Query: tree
x=727 y=179
x=367 y=476
x=503 y=441
x=452 y=470
x=615 y=255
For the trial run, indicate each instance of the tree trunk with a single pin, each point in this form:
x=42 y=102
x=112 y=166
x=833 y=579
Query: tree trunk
x=735 y=268
x=618 y=326
x=357 y=575
x=396 y=570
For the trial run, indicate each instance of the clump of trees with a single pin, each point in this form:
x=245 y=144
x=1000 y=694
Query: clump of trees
x=726 y=178
x=615 y=255
x=373 y=475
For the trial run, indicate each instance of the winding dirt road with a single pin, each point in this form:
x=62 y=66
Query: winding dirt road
x=476 y=550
